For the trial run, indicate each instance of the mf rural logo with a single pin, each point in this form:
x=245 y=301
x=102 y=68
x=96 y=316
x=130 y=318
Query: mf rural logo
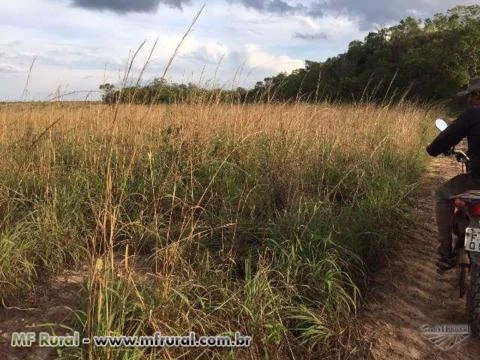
x=447 y=336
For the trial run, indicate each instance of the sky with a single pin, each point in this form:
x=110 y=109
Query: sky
x=76 y=45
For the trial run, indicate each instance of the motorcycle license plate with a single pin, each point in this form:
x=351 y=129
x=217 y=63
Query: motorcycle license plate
x=472 y=239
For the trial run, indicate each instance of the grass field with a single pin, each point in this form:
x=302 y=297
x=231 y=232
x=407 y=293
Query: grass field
x=261 y=219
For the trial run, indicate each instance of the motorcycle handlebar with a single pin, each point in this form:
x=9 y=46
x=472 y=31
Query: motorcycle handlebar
x=460 y=156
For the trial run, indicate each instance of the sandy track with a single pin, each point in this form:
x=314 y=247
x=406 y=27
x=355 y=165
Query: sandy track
x=408 y=293
x=49 y=304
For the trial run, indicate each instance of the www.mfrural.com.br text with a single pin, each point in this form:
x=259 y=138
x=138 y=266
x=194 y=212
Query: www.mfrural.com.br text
x=44 y=339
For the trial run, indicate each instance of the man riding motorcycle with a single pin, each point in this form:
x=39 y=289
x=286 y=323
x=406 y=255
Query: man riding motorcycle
x=467 y=125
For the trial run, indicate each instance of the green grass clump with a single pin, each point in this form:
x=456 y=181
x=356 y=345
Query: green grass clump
x=261 y=219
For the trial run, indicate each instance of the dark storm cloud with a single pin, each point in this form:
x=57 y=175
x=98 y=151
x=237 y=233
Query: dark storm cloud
x=125 y=6
x=380 y=12
x=369 y=13
x=272 y=6
x=314 y=36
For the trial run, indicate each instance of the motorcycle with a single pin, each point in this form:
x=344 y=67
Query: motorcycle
x=466 y=241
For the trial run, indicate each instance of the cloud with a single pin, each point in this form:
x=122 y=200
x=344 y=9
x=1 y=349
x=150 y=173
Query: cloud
x=9 y=68
x=314 y=36
x=272 y=6
x=367 y=13
x=125 y=6
x=81 y=48
x=13 y=43
x=372 y=13
x=210 y=53
x=257 y=58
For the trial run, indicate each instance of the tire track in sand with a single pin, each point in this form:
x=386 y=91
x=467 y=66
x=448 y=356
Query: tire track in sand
x=408 y=292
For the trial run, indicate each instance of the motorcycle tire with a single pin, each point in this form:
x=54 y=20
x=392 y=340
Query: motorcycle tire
x=473 y=298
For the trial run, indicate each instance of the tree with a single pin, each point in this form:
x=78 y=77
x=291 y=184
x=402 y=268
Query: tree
x=108 y=92
x=425 y=60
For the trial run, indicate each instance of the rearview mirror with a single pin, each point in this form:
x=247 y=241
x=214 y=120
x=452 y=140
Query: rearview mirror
x=441 y=124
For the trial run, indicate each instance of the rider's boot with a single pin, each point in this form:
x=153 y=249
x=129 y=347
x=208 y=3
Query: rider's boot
x=444 y=211
x=446 y=261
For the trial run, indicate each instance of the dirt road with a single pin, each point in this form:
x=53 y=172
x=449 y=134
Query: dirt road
x=408 y=293
x=49 y=304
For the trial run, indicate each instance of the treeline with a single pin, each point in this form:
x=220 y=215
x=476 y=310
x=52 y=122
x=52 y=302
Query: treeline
x=161 y=91
x=426 y=60
x=423 y=60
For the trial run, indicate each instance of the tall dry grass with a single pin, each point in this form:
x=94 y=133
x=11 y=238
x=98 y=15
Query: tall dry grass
x=209 y=218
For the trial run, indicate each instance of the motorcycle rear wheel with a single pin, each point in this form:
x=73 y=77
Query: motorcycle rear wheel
x=473 y=297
